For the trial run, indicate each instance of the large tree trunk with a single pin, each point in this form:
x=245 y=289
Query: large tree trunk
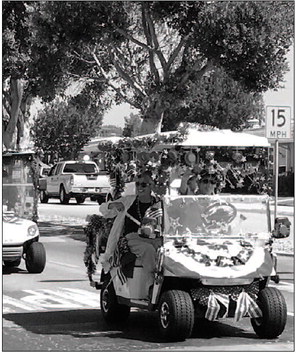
x=16 y=94
x=152 y=119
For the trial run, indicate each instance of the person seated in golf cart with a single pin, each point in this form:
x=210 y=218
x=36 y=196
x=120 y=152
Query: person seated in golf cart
x=205 y=182
x=137 y=226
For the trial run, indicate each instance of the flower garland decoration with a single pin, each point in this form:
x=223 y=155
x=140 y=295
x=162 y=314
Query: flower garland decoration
x=97 y=231
x=240 y=170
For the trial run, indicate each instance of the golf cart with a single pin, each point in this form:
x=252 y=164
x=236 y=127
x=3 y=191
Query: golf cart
x=216 y=258
x=19 y=203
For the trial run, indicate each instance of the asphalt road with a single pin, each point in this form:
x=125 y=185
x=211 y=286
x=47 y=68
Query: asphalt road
x=57 y=310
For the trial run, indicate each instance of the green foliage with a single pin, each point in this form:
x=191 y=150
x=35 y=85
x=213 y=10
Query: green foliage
x=61 y=129
x=132 y=126
x=216 y=100
x=15 y=39
x=249 y=39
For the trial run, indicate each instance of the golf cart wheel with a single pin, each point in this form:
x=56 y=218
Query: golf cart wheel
x=64 y=198
x=175 y=315
x=15 y=263
x=35 y=258
x=80 y=199
x=274 y=309
x=113 y=313
x=43 y=197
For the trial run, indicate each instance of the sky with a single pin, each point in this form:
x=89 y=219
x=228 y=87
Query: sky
x=282 y=97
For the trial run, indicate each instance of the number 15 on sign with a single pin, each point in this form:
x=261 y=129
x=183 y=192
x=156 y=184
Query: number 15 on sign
x=278 y=122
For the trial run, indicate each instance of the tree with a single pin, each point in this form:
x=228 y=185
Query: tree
x=31 y=69
x=61 y=129
x=149 y=53
x=217 y=100
x=132 y=125
x=15 y=61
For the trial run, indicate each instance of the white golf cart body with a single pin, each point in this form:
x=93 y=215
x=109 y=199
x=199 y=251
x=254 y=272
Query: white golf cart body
x=19 y=207
x=203 y=239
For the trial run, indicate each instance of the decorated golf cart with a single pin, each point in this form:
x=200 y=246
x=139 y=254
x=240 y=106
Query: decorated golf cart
x=20 y=175
x=216 y=258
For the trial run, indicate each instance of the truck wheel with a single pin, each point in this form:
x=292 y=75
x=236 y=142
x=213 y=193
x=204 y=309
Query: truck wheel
x=35 y=258
x=43 y=197
x=64 y=198
x=80 y=199
x=15 y=263
x=274 y=309
x=100 y=199
x=175 y=315
x=113 y=313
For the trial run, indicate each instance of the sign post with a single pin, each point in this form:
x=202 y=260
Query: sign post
x=277 y=127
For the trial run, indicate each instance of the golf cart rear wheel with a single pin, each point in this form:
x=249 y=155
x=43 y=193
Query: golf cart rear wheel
x=175 y=315
x=113 y=313
x=35 y=258
x=274 y=309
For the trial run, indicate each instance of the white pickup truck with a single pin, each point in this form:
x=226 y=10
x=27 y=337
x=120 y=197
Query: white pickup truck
x=78 y=179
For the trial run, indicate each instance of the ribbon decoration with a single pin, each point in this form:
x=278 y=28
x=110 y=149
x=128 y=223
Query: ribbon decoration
x=214 y=306
x=245 y=304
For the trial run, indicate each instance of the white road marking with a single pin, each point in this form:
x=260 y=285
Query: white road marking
x=9 y=302
x=45 y=299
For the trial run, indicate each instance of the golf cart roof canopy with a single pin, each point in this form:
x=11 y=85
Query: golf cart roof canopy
x=226 y=138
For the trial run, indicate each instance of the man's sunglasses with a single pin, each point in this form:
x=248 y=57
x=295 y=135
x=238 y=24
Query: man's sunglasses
x=207 y=181
x=142 y=184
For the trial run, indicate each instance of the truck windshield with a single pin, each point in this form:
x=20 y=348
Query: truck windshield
x=80 y=168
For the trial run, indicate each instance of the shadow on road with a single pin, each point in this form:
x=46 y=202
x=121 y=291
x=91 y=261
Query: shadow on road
x=141 y=326
x=48 y=229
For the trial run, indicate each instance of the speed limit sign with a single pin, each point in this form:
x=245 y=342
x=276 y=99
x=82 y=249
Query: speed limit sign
x=278 y=122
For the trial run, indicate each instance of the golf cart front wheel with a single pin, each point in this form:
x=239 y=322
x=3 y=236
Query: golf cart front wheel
x=113 y=313
x=35 y=258
x=274 y=313
x=175 y=315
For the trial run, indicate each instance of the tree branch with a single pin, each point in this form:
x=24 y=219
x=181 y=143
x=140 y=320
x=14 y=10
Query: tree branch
x=153 y=68
x=125 y=76
x=200 y=73
x=123 y=59
x=176 y=51
x=116 y=89
x=153 y=36
x=131 y=38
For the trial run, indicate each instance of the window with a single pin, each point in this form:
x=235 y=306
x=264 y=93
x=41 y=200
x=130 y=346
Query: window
x=80 y=168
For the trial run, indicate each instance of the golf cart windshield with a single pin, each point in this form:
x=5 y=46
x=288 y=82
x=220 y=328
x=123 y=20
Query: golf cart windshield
x=217 y=215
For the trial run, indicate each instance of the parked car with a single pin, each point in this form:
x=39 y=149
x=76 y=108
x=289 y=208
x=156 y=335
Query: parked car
x=21 y=240
x=78 y=179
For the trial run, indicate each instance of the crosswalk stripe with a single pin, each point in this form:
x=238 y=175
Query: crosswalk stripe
x=46 y=299
x=19 y=304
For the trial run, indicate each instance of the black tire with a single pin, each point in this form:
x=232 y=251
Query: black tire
x=35 y=258
x=15 y=263
x=64 y=198
x=274 y=309
x=101 y=199
x=175 y=315
x=80 y=199
x=113 y=313
x=43 y=196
